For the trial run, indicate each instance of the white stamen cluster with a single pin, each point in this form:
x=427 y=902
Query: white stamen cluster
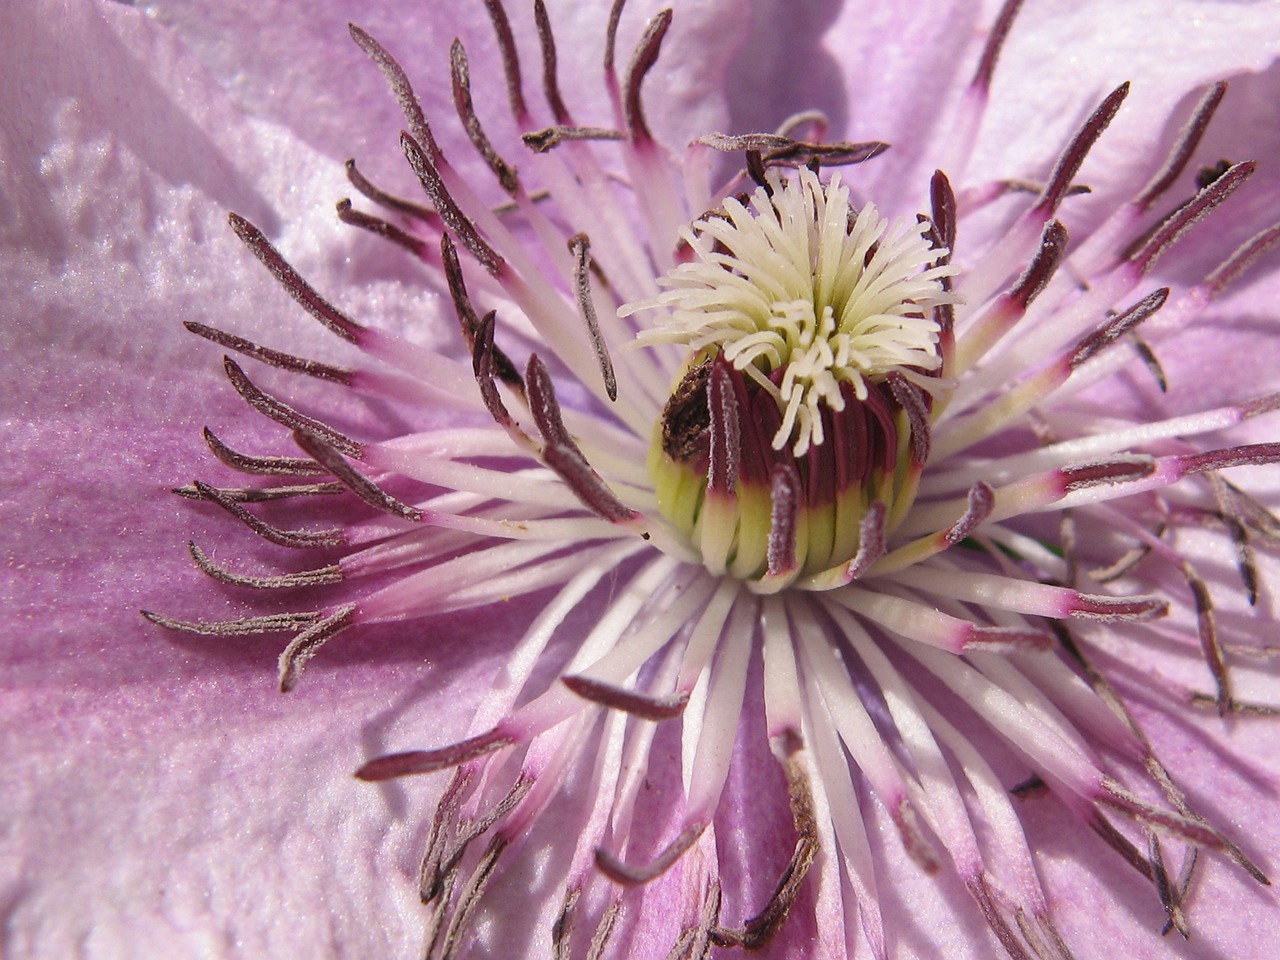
x=801 y=282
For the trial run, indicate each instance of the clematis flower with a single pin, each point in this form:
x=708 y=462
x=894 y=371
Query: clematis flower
x=669 y=562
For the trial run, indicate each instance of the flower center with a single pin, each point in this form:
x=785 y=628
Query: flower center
x=814 y=358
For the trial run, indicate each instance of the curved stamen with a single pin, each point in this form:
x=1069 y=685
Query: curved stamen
x=285 y=581
x=289 y=278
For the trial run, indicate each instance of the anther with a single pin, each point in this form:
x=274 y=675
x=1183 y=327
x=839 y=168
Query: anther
x=274 y=358
x=289 y=278
x=1069 y=162
x=400 y=205
x=550 y=83
x=450 y=212
x=297 y=539
x=249 y=626
x=642 y=60
x=283 y=414
x=285 y=581
x=308 y=643
x=505 y=173
x=580 y=246
x=353 y=480
x=382 y=228
x=260 y=466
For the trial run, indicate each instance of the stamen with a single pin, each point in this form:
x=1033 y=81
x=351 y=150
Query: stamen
x=297 y=539
x=469 y=322
x=301 y=291
x=390 y=201
x=630 y=875
x=913 y=402
x=249 y=626
x=611 y=41
x=980 y=890
x=981 y=502
x=261 y=466
x=274 y=358
x=1164 y=889
x=510 y=57
x=443 y=856
x=757 y=931
x=580 y=245
x=353 y=480
x=381 y=228
x=308 y=643
x=550 y=83
x=283 y=414
x=1117 y=327
x=413 y=762
x=265 y=494
x=1069 y=162
x=1048 y=257
x=995 y=43
x=1242 y=259
x=1176 y=226
x=286 y=581
x=505 y=173
x=542 y=141
x=778 y=150
x=644 y=706
x=785 y=496
x=642 y=59
x=454 y=218
x=561 y=453
x=400 y=86
x=1188 y=139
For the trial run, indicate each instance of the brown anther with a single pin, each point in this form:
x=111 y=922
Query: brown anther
x=541 y=141
x=505 y=173
x=400 y=205
x=265 y=494
x=642 y=705
x=1068 y=165
x=1048 y=256
x=296 y=539
x=631 y=875
x=400 y=86
x=352 y=479
x=414 y=762
x=285 y=581
x=757 y=931
x=642 y=60
x=289 y=278
x=560 y=452
x=246 y=627
x=914 y=402
x=510 y=57
x=550 y=83
x=982 y=501
x=580 y=246
x=282 y=413
x=457 y=222
x=1188 y=139
x=1150 y=249
x=307 y=644
x=1117 y=327
x=382 y=228
x=995 y=41
x=980 y=889
x=469 y=321
x=274 y=358
x=260 y=466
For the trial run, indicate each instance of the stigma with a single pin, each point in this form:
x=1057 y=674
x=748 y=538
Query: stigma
x=796 y=428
